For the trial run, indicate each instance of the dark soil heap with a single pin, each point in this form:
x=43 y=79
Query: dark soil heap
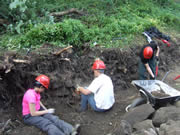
x=70 y=68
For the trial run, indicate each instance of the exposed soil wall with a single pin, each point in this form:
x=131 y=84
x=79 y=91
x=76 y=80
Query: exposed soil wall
x=71 y=68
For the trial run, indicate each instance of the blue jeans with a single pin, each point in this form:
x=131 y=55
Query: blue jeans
x=85 y=99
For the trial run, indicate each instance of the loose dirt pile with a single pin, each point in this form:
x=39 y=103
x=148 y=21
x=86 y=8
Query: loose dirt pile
x=159 y=94
x=66 y=70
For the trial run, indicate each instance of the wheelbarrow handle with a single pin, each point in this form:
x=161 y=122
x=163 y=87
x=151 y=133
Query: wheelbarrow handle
x=166 y=75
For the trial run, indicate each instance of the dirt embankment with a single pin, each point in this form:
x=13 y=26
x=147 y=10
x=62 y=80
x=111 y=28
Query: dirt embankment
x=70 y=68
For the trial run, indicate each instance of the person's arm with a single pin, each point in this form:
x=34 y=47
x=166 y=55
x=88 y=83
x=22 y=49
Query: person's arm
x=41 y=104
x=158 y=50
x=34 y=112
x=84 y=91
x=149 y=70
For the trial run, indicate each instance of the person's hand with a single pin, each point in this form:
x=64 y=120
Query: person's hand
x=154 y=78
x=51 y=110
x=77 y=91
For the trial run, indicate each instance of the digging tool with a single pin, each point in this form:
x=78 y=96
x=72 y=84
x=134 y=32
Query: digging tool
x=148 y=37
x=153 y=32
x=166 y=42
x=166 y=75
x=157 y=66
x=177 y=77
x=157 y=63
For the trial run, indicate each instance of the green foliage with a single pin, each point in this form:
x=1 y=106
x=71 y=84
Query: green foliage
x=17 y=3
x=67 y=32
x=40 y=34
x=108 y=22
x=73 y=31
x=163 y=2
x=169 y=19
x=24 y=12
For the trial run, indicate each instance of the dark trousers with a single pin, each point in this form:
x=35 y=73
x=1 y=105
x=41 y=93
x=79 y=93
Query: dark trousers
x=49 y=123
x=143 y=74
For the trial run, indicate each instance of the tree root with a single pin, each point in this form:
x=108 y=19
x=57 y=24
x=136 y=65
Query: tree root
x=72 y=10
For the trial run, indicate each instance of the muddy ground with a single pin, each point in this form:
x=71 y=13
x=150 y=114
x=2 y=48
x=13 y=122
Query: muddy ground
x=68 y=69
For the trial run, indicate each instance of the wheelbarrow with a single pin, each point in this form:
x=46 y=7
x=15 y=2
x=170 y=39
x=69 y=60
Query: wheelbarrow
x=154 y=92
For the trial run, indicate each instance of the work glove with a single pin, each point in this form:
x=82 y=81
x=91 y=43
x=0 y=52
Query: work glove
x=51 y=110
x=154 y=78
x=76 y=129
x=156 y=58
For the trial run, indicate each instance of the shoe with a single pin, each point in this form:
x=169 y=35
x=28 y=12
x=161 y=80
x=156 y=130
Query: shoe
x=76 y=129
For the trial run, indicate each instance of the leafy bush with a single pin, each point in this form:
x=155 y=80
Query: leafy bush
x=21 y=13
x=169 y=19
x=73 y=31
x=163 y=2
x=68 y=32
x=105 y=21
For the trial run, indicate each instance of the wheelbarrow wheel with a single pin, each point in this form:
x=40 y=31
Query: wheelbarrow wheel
x=136 y=102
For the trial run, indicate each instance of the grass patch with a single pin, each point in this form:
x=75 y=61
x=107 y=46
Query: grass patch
x=119 y=26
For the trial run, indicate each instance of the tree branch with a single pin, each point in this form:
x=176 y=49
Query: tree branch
x=72 y=10
x=64 y=49
x=3 y=21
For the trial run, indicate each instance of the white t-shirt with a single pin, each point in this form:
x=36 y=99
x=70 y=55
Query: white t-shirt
x=103 y=90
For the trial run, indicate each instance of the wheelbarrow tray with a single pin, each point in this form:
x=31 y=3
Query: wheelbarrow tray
x=147 y=87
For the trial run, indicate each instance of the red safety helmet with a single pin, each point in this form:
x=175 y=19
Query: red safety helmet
x=98 y=64
x=44 y=80
x=148 y=52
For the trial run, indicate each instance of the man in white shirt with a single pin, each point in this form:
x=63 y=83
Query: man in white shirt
x=100 y=93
